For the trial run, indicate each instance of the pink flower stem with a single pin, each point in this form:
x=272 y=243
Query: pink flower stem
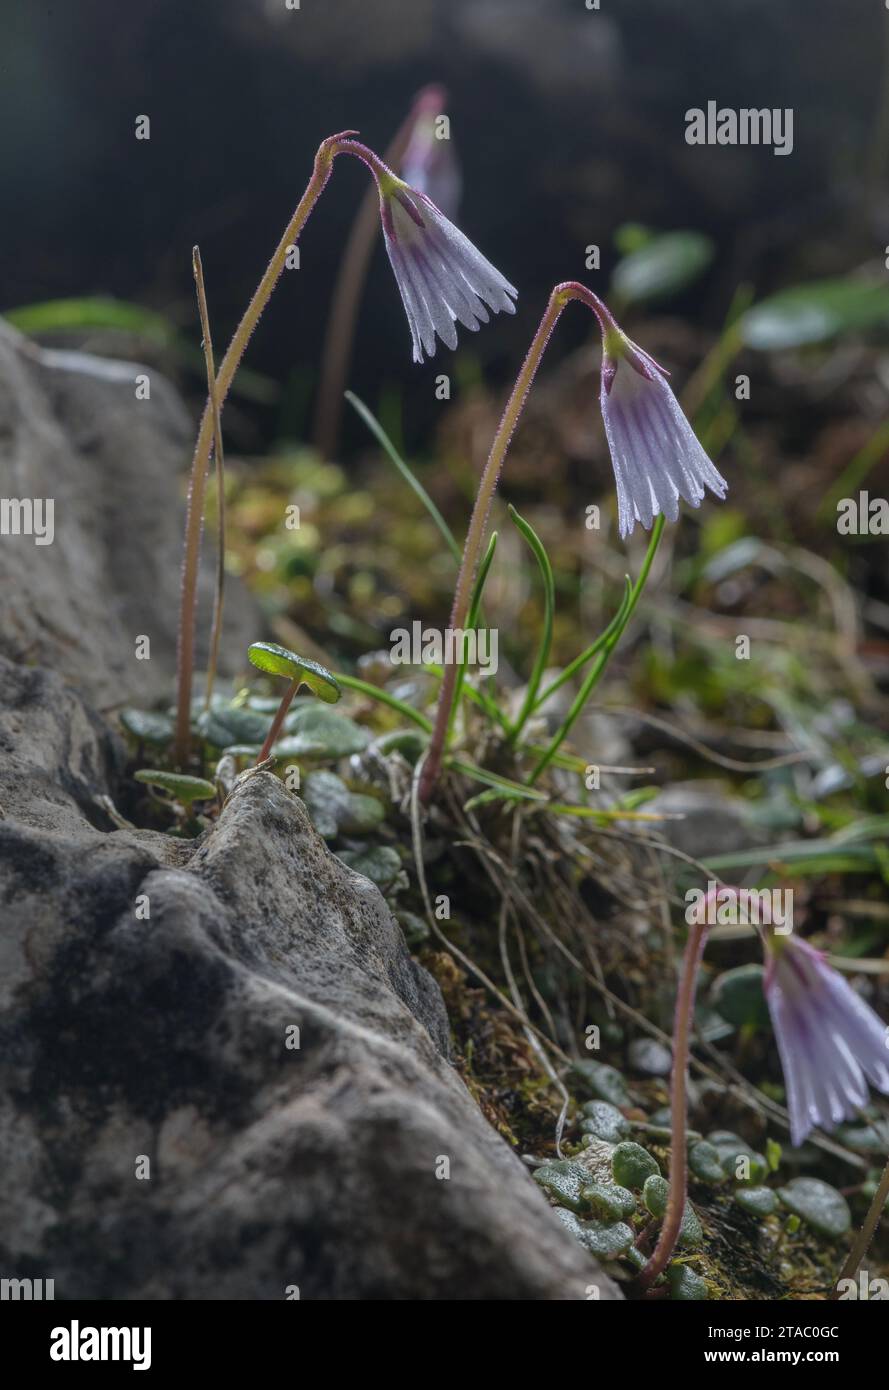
x=327 y=152
x=678 y=1195
x=472 y=550
x=278 y=720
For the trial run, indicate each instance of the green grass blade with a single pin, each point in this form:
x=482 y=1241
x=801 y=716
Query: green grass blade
x=516 y=791
x=549 y=610
x=594 y=675
x=386 y=444
x=374 y=692
x=590 y=652
x=472 y=619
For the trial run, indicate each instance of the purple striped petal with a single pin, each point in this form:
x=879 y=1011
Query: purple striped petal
x=654 y=452
x=831 y=1043
x=443 y=280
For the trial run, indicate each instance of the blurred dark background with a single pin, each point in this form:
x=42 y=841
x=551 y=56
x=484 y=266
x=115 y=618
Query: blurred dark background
x=567 y=122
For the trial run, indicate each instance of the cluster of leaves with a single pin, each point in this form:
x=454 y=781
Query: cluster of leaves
x=611 y=1192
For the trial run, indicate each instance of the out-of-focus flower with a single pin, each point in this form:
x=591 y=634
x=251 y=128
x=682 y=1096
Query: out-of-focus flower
x=830 y=1041
x=429 y=164
x=443 y=279
x=654 y=452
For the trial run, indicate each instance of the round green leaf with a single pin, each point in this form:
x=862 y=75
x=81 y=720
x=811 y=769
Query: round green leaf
x=312 y=731
x=185 y=789
x=819 y=1204
x=738 y=996
x=279 y=661
x=230 y=724
x=565 y=1181
x=602 y=1081
x=607 y=1202
x=604 y=1121
x=334 y=809
x=632 y=1165
x=759 y=1201
x=685 y=1285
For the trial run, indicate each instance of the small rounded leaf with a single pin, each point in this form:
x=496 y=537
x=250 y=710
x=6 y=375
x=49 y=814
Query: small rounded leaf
x=758 y=1201
x=147 y=725
x=685 y=1285
x=631 y=1165
x=280 y=661
x=818 y=1204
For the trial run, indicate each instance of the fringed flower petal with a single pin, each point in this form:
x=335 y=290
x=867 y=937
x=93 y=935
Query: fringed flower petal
x=654 y=452
x=442 y=278
x=831 y=1043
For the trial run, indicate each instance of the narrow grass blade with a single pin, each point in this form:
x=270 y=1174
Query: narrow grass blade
x=549 y=609
x=373 y=692
x=385 y=442
x=580 y=661
x=602 y=661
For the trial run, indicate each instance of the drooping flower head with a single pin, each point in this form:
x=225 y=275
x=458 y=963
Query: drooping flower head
x=831 y=1042
x=429 y=165
x=442 y=278
x=654 y=452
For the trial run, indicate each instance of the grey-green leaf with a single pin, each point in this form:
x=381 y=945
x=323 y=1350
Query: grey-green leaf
x=380 y=863
x=564 y=1181
x=738 y=996
x=685 y=1285
x=632 y=1165
x=602 y=1081
x=604 y=1121
x=232 y=724
x=147 y=726
x=314 y=731
x=758 y=1201
x=819 y=1204
x=334 y=809
x=608 y=1202
x=703 y=1160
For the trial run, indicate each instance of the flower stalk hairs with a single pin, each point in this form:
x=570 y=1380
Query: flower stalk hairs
x=656 y=460
x=442 y=279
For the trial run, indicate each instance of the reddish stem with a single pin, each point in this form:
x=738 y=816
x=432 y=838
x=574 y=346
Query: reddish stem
x=278 y=720
x=678 y=1196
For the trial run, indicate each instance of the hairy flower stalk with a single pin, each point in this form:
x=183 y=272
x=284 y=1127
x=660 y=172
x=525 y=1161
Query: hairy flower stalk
x=831 y=1043
x=441 y=277
x=195 y=510
x=678 y=1195
x=654 y=452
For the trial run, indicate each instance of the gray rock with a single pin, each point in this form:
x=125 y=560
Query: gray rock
x=715 y=821
x=124 y=1040
x=114 y=466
